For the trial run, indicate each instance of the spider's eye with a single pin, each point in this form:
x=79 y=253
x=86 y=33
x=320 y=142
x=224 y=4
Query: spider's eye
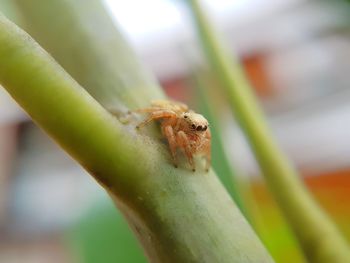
x=185 y=116
x=204 y=128
x=199 y=128
x=193 y=126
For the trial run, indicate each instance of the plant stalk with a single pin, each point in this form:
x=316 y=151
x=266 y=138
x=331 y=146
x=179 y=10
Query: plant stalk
x=177 y=215
x=320 y=239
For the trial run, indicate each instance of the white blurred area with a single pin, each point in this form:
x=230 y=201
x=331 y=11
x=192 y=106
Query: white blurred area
x=303 y=48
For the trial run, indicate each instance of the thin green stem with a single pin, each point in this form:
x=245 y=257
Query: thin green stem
x=178 y=215
x=317 y=234
x=220 y=161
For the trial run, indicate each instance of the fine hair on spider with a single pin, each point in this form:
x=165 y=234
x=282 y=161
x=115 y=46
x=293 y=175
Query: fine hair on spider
x=183 y=129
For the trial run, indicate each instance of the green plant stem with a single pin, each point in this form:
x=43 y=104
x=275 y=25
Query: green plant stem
x=237 y=185
x=80 y=35
x=319 y=237
x=220 y=161
x=178 y=215
x=8 y=8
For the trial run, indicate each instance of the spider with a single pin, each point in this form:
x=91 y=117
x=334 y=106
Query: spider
x=183 y=128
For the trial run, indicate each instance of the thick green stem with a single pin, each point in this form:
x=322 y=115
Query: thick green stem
x=9 y=9
x=84 y=40
x=317 y=234
x=178 y=215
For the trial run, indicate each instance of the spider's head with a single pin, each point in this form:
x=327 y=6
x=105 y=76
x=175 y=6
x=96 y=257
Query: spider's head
x=195 y=121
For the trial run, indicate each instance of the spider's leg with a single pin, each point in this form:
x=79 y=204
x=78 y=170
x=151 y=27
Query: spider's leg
x=156 y=115
x=207 y=150
x=169 y=134
x=147 y=110
x=168 y=104
x=185 y=144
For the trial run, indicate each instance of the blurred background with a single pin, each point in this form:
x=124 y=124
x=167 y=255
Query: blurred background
x=296 y=54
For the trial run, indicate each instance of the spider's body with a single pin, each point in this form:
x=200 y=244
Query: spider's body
x=183 y=129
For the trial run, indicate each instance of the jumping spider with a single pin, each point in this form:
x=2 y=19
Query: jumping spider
x=183 y=129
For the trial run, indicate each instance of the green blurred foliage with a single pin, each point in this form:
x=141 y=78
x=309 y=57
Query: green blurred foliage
x=102 y=235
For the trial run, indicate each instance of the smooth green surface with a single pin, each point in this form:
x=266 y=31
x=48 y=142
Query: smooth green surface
x=81 y=36
x=96 y=55
x=318 y=236
x=178 y=215
x=8 y=8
